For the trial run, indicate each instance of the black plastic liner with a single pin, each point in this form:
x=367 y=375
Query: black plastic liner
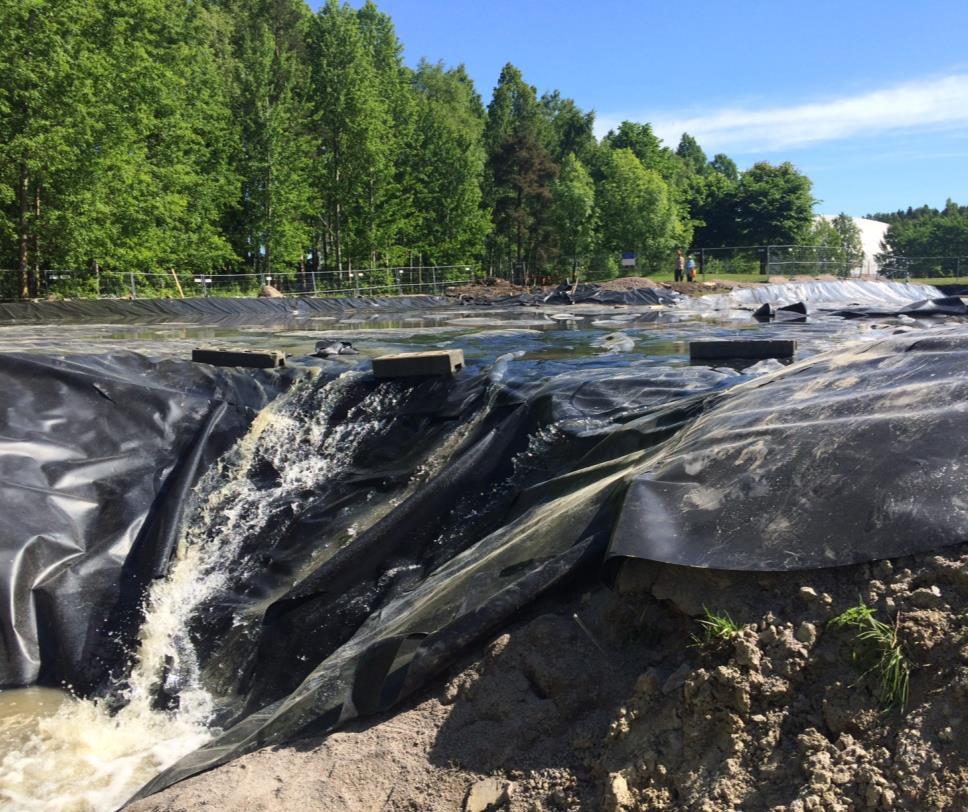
x=442 y=507
x=209 y=310
x=97 y=456
x=945 y=306
x=595 y=294
x=585 y=293
x=847 y=457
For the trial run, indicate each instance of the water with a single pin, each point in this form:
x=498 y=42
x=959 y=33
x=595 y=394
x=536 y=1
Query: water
x=67 y=754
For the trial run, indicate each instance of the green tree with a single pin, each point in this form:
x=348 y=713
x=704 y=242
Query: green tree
x=350 y=121
x=724 y=165
x=118 y=138
x=568 y=129
x=773 y=205
x=926 y=241
x=389 y=208
x=448 y=164
x=573 y=210
x=523 y=173
x=636 y=211
x=518 y=174
x=270 y=105
x=838 y=244
x=47 y=121
x=691 y=154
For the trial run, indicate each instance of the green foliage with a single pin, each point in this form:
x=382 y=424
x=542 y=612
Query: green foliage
x=773 y=205
x=725 y=166
x=839 y=243
x=269 y=87
x=927 y=242
x=636 y=211
x=573 y=210
x=146 y=136
x=691 y=154
x=878 y=647
x=447 y=166
x=714 y=630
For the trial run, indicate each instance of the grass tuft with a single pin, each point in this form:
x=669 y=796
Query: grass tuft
x=877 y=642
x=714 y=630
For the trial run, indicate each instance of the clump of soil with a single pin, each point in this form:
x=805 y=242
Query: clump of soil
x=630 y=283
x=780 y=716
x=602 y=700
x=490 y=287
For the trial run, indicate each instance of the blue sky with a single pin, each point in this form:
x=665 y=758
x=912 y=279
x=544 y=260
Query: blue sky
x=870 y=99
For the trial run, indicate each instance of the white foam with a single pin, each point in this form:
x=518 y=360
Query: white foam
x=82 y=757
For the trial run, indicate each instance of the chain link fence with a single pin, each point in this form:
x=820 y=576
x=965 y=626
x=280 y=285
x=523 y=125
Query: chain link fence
x=401 y=281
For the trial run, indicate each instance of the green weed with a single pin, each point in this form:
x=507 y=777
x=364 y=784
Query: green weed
x=877 y=642
x=714 y=630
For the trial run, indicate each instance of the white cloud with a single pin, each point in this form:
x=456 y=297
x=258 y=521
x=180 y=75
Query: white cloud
x=921 y=105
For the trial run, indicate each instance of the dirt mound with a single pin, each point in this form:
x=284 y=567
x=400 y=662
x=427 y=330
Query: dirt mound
x=788 y=711
x=606 y=700
x=489 y=288
x=629 y=283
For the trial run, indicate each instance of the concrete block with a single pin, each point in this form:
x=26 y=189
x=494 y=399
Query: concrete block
x=255 y=359
x=418 y=364
x=741 y=348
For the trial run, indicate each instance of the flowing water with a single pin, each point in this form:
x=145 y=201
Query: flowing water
x=65 y=753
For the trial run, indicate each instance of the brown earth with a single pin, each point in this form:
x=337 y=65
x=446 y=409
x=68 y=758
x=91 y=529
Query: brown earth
x=602 y=700
x=630 y=283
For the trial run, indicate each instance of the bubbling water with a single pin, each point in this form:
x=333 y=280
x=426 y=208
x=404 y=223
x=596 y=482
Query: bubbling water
x=86 y=755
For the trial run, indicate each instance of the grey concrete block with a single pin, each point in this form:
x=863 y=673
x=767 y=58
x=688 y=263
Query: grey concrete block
x=418 y=364
x=741 y=348
x=256 y=359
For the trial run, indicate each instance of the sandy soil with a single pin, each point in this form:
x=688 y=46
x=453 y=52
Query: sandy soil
x=620 y=709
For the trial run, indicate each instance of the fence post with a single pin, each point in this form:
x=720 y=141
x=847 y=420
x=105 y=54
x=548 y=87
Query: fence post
x=134 y=290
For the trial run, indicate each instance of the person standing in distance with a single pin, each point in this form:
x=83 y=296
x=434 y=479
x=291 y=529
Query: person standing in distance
x=680 y=265
x=691 y=269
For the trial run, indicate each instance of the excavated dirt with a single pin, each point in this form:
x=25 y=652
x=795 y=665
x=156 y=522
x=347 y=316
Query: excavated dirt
x=489 y=288
x=630 y=283
x=602 y=700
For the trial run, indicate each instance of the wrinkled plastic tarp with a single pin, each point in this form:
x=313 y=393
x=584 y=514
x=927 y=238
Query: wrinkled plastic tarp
x=821 y=295
x=846 y=457
x=97 y=454
x=208 y=310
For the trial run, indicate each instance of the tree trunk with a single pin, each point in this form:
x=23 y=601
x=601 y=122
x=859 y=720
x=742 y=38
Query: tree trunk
x=268 y=265
x=35 y=276
x=23 y=199
x=336 y=213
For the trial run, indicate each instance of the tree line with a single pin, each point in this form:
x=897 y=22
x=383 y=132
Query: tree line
x=926 y=241
x=167 y=136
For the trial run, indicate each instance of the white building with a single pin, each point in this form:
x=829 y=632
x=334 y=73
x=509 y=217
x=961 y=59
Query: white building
x=871 y=235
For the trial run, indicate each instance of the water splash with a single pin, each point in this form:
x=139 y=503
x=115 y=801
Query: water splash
x=87 y=757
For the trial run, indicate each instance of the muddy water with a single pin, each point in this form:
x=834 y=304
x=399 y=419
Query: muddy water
x=64 y=754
